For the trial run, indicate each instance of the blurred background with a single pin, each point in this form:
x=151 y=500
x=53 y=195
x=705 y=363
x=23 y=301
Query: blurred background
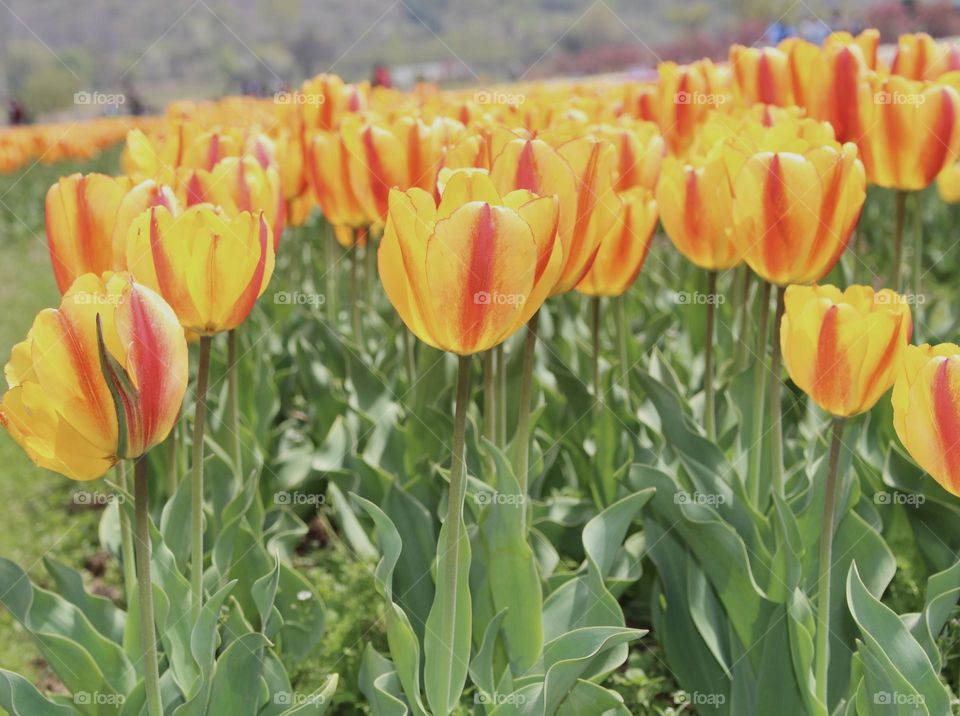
x=150 y=52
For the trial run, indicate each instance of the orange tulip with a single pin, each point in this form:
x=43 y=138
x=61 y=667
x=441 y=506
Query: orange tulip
x=796 y=200
x=624 y=249
x=843 y=348
x=100 y=379
x=210 y=267
x=686 y=95
x=580 y=173
x=910 y=130
x=926 y=410
x=761 y=75
x=920 y=57
x=640 y=150
x=330 y=173
x=948 y=183
x=466 y=273
x=695 y=201
x=238 y=184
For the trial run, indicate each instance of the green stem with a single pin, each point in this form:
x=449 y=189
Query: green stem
x=901 y=208
x=526 y=399
x=409 y=352
x=776 y=444
x=172 y=446
x=822 y=658
x=917 y=248
x=127 y=552
x=709 y=413
x=233 y=408
x=355 y=293
x=501 y=365
x=148 y=634
x=740 y=360
x=489 y=398
x=595 y=324
x=620 y=312
x=756 y=434
x=371 y=269
x=196 y=507
x=330 y=273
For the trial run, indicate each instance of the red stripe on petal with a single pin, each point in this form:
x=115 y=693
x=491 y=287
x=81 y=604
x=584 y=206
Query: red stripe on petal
x=830 y=376
x=948 y=422
x=480 y=270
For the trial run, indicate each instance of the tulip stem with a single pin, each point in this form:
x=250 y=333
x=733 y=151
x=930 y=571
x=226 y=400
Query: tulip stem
x=755 y=448
x=776 y=444
x=744 y=310
x=371 y=269
x=822 y=658
x=127 y=553
x=172 y=444
x=330 y=272
x=901 y=208
x=409 y=352
x=526 y=398
x=355 y=294
x=917 y=248
x=148 y=637
x=501 y=365
x=489 y=398
x=621 y=318
x=233 y=409
x=196 y=507
x=595 y=327
x=709 y=414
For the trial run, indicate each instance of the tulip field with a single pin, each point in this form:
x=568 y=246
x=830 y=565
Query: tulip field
x=590 y=397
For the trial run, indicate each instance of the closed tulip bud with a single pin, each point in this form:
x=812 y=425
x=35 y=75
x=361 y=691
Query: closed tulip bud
x=910 y=130
x=210 y=267
x=926 y=410
x=98 y=380
x=686 y=95
x=761 y=75
x=624 y=249
x=81 y=213
x=795 y=203
x=695 y=202
x=238 y=184
x=330 y=174
x=144 y=195
x=580 y=173
x=378 y=163
x=640 y=150
x=843 y=348
x=466 y=273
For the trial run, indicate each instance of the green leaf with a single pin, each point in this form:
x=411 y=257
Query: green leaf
x=317 y=703
x=236 y=678
x=101 y=612
x=379 y=683
x=20 y=698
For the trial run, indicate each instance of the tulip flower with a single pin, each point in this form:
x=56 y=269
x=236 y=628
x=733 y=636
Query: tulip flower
x=843 y=348
x=624 y=248
x=581 y=173
x=948 y=183
x=210 y=267
x=98 y=380
x=920 y=57
x=465 y=273
x=761 y=75
x=239 y=184
x=910 y=130
x=685 y=96
x=926 y=411
x=81 y=213
x=640 y=150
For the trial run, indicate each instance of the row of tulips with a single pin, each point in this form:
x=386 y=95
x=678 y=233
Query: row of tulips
x=483 y=208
